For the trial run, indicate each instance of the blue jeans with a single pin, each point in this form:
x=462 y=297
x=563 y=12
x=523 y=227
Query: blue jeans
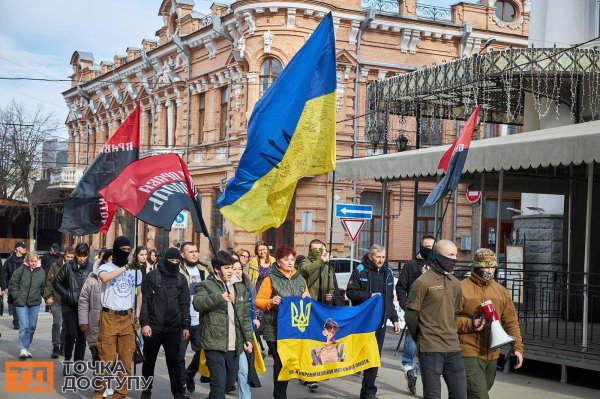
x=409 y=351
x=28 y=316
x=243 y=377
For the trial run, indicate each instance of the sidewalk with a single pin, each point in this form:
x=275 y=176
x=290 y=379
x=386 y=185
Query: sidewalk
x=391 y=381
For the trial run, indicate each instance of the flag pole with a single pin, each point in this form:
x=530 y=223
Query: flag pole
x=331 y=231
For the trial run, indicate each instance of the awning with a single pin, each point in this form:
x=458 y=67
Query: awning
x=564 y=145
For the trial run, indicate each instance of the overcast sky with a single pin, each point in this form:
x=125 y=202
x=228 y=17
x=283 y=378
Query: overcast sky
x=38 y=37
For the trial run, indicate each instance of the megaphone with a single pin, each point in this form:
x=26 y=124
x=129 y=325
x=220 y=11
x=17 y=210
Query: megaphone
x=499 y=337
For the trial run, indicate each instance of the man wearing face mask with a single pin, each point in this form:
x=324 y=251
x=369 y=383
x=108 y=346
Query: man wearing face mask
x=320 y=281
x=411 y=271
x=480 y=361
x=374 y=277
x=433 y=304
x=116 y=334
x=165 y=315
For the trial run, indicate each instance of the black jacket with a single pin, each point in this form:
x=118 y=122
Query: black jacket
x=366 y=279
x=165 y=307
x=411 y=271
x=48 y=259
x=69 y=281
x=10 y=266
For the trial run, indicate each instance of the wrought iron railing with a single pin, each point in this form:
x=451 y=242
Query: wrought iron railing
x=206 y=20
x=381 y=5
x=434 y=13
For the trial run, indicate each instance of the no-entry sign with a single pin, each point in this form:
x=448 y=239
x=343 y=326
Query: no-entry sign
x=473 y=196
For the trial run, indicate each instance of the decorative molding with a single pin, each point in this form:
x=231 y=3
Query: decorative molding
x=406 y=35
x=516 y=24
x=211 y=47
x=102 y=98
x=241 y=46
x=336 y=25
x=354 y=28
x=143 y=81
x=132 y=90
x=291 y=18
x=414 y=40
x=309 y=12
x=527 y=6
x=251 y=76
x=364 y=74
x=221 y=153
x=339 y=93
x=382 y=73
x=250 y=21
x=115 y=93
x=347 y=72
x=273 y=9
x=267 y=41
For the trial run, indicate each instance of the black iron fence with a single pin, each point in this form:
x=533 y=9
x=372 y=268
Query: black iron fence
x=550 y=304
x=552 y=307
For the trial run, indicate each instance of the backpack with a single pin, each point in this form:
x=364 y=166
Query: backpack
x=158 y=280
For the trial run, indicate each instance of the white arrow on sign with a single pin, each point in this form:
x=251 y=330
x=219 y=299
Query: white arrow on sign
x=346 y=210
x=353 y=227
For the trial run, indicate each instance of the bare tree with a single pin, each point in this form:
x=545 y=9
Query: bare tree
x=22 y=136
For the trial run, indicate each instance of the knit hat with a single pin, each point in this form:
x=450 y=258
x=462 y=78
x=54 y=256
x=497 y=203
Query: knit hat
x=485 y=257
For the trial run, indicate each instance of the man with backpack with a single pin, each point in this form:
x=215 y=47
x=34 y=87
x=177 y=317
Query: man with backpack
x=165 y=316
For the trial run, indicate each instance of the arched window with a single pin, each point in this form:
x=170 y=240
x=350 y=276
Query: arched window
x=505 y=11
x=269 y=70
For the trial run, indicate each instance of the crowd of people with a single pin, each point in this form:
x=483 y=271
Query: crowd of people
x=223 y=306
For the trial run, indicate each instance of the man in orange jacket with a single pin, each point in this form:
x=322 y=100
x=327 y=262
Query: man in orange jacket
x=479 y=360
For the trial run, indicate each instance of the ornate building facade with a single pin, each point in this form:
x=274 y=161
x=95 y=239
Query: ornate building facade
x=198 y=82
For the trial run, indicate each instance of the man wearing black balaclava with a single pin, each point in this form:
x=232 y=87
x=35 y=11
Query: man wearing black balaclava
x=412 y=270
x=165 y=315
x=116 y=319
x=433 y=304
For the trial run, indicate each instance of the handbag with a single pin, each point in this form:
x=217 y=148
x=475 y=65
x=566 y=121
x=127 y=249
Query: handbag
x=138 y=355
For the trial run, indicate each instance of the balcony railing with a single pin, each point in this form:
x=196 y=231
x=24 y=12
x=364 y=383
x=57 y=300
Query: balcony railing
x=424 y=11
x=148 y=152
x=433 y=13
x=67 y=177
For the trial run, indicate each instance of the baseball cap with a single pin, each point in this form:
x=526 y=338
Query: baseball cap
x=55 y=247
x=20 y=244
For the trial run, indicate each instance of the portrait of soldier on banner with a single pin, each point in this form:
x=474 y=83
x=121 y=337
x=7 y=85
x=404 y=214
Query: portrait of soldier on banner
x=332 y=351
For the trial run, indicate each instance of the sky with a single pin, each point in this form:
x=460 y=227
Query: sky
x=38 y=38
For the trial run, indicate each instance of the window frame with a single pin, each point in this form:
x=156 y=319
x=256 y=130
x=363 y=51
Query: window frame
x=270 y=76
x=501 y=5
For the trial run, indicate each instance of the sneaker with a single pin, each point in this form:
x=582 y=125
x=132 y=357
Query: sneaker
x=29 y=355
x=191 y=384
x=411 y=380
x=15 y=326
x=23 y=354
x=313 y=386
x=55 y=353
x=109 y=392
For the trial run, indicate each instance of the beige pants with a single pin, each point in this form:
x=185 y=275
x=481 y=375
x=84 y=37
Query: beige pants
x=116 y=337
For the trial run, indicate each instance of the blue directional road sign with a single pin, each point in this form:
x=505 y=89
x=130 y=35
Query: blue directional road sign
x=353 y=211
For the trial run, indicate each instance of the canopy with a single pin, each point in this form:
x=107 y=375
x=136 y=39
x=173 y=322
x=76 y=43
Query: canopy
x=564 y=145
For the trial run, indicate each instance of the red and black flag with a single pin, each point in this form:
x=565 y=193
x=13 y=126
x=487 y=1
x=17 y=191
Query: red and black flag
x=85 y=212
x=154 y=190
x=453 y=161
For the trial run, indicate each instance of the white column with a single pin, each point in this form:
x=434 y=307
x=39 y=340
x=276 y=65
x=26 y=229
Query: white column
x=169 y=105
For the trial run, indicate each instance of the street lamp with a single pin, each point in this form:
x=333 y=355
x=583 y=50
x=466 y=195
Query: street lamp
x=401 y=142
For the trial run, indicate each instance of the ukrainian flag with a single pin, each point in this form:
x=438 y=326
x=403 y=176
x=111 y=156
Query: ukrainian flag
x=316 y=342
x=291 y=134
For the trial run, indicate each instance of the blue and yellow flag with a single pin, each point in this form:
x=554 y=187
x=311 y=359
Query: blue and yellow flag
x=291 y=134
x=316 y=342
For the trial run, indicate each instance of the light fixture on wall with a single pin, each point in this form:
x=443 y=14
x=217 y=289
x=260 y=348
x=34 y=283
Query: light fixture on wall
x=401 y=142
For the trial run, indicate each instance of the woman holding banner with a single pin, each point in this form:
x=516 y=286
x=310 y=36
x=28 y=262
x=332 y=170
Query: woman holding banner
x=283 y=280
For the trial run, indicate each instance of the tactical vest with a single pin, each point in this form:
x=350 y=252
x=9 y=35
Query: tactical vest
x=281 y=286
